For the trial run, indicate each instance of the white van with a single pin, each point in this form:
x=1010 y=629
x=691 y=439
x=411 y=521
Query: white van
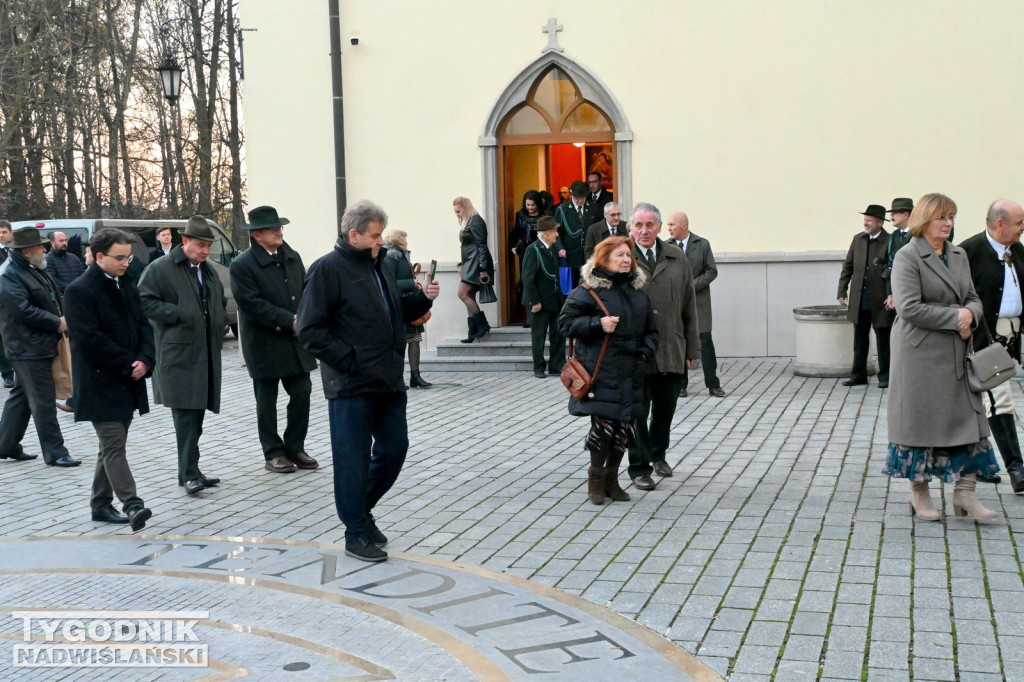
x=222 y=251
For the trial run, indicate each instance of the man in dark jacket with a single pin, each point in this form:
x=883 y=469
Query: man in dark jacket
x=997 y=268
x=6 y=371
x=184 y=299
x=352 y=318
x=32 y=320
x=674 y=302
x=572 y=235
x=64 y=267
x=543 y=297
x=112 y=354
x=900 y=237
x=611 y=225
x=267 y=282
x=862 y=274
x=705 y=271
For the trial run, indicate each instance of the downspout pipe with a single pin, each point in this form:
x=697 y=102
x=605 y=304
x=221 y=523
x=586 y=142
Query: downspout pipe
x=340 y=187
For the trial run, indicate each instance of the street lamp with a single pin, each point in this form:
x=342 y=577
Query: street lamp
x=170 y=77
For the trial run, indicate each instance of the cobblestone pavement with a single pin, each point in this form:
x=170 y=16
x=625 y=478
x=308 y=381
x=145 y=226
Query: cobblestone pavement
x=776 y=551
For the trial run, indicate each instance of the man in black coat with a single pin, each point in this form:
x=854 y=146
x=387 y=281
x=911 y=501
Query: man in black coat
x=352 y=318
x=267 y=282
x=543 y=297
x=32 y=320
x=900 y=237
x=112 y=353
x=572 y=233
x=6 y=371
x=997 y=268
x=597 y=197
x=862 y=274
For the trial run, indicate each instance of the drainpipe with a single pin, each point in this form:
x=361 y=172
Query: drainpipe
x=341 y=191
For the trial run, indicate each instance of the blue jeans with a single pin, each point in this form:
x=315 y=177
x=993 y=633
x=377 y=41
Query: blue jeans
x=369 y=441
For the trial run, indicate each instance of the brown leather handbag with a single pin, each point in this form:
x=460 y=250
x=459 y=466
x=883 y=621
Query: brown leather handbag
x=575 y=376
x=419 y=321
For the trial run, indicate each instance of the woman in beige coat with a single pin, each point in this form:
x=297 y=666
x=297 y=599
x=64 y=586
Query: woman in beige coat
x=937 y=426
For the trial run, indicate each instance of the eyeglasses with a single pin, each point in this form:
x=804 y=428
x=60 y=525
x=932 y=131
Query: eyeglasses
x=120 y=259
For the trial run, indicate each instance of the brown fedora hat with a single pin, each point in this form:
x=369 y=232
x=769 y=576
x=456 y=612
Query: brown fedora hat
x=901 y=205
x=198 y=228
x=25 y=237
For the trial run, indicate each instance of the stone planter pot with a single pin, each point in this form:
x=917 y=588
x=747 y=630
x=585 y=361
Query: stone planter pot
x=824 y=342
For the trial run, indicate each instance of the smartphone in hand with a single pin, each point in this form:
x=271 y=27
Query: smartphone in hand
x=433 y=271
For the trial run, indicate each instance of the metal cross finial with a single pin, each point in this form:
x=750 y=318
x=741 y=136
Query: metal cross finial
x=552 y=28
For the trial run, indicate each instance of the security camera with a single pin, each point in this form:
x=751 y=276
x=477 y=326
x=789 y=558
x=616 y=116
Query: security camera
x=354 y=40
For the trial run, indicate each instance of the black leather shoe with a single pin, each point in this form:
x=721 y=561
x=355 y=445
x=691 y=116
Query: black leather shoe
x=304 y=461
x=883 y=384
x=65 y=461
x=851 y=382
x=109 y=515
x=364 y=550
x=684 y=394
x=716 y=392
x=137 y=517
x=539 y=374
x=984 y=478
x=21 y=456
x=662 y=469
x=1016 y=472
x=376 y=537
x=8 y=382
x=209 y=481
x=192 y=487
x=644 y=483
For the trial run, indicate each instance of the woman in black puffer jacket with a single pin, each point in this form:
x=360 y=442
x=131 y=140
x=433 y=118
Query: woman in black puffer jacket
x=616 y=395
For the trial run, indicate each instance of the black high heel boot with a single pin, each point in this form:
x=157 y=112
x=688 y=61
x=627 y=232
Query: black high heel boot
x=471 y=323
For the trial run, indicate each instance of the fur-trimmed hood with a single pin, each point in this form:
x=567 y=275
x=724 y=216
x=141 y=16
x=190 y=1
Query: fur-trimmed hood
x=596 y=280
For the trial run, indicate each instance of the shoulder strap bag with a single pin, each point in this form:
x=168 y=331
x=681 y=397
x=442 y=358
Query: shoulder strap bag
x=575 y=377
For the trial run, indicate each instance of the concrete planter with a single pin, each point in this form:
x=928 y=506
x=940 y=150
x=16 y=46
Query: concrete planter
x=824 y=342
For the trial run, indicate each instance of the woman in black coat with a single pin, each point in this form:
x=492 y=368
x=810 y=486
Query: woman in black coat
x=524 y=233
x=617 y=393
x=476 y=268
x=397 y=260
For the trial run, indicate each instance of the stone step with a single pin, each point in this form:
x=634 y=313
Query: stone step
x=452 y=348
x=431 y=362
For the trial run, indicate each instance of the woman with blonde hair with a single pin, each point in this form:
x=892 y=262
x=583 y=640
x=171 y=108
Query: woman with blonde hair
x=937 y=425
x=616 y=395
x=475 y=267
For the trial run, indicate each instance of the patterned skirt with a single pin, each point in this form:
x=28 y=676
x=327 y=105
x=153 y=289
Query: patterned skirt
x=610 y=435
x=946 y=464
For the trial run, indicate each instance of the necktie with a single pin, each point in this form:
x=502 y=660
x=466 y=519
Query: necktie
x=579 y=212
x=611 y=231
x=652 y=260
x=595 y=198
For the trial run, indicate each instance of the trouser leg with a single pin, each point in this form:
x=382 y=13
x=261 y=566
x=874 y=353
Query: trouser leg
x=188 y=427
x=708 y=362
x=999 y=410
x=861 y=340
x=390 y=445
x=556 y=343
x=299 y=388
x=266 y=417
x=113 y=475
x=640 y=451
x=14 y=420
x=36 y=379
x=6 y=370
x=538 y=330
x=882 y=341
x=665 y=388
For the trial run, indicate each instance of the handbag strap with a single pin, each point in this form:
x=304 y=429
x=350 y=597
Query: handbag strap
x=604 y=345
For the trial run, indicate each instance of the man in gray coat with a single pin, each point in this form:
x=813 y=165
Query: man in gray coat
x=267 y=282
x=183 y=297
x=673 y=299
x=702 y=265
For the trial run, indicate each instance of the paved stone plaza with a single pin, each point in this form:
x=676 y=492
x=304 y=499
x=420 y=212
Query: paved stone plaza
x=777 y=551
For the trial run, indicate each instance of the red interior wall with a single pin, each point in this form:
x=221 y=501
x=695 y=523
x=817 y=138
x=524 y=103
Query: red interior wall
x=566 y=166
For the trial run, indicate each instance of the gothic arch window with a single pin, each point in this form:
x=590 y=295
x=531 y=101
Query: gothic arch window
x=555 y=111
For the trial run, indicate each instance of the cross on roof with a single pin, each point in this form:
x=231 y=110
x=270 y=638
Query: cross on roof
x=552 y=29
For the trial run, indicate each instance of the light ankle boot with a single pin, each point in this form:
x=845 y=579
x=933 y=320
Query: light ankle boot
x=595 y=485
x=611 y=478
x=966 y=502
x=921 y=502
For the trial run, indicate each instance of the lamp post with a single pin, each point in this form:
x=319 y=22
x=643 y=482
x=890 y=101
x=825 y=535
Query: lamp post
x=169 y=69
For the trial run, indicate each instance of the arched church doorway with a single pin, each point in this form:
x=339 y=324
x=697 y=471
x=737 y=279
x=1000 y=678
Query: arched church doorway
x=549 y=141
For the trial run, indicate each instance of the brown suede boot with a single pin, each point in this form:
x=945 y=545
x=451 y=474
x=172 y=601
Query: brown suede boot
x=611 y=478
x=595 y=485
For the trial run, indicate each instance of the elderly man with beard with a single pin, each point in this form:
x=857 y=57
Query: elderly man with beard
x=31 y=320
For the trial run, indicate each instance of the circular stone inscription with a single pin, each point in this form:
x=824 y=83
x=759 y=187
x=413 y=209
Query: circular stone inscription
x=269 y=606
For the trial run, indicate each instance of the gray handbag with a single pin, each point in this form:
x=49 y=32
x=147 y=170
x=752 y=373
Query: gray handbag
x=988 y=367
